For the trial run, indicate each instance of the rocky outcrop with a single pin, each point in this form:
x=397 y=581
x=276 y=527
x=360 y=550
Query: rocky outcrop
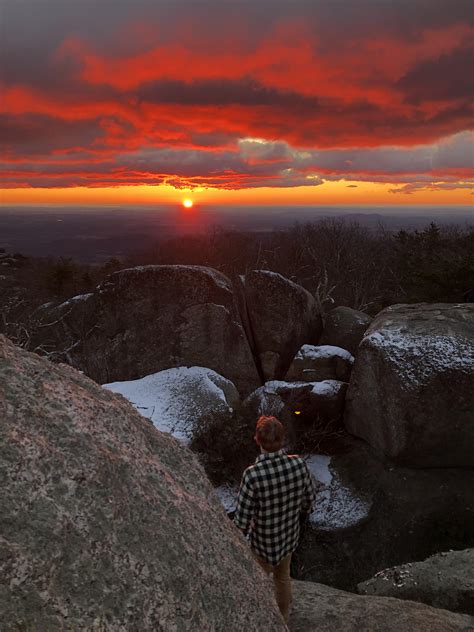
x=282 y=316
x=323 y=362
x=414 y=372
x=146 y=319
x=372 y=515
x=181 y=400
x=318 y=608
x=106 y=523
x=345 y=327
x=445 y=580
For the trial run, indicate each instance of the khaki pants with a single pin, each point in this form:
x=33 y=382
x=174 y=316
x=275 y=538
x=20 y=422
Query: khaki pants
x=281 y=582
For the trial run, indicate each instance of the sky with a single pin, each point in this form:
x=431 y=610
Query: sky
x=237 y=102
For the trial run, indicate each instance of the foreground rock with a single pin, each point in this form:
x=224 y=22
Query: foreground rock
x=181 y=400
x=323 y=362
x=445 y=580
x=373 y=516
x=345 y=327
x=106 y=523
x=146 y=319
x=318 y=608
x=415 y=374
x=282 y=316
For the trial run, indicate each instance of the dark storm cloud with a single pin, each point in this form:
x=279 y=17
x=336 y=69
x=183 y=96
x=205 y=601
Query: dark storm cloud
x=37 y=134
x=443 y=79
x=222 y=91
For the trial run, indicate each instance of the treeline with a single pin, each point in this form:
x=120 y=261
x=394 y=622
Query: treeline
x=340 y=263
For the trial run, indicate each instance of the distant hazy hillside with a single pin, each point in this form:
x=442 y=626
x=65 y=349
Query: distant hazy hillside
x=93 y=235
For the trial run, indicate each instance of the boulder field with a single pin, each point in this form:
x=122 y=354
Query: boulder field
x=106 y=523
x=142 y=320
x=149 y=318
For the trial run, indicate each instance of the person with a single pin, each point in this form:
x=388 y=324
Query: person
x=273 y=494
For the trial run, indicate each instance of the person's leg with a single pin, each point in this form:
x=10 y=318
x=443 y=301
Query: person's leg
x=282 y=581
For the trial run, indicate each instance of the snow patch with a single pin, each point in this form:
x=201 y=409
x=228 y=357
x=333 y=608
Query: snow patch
x=336 y=506
x=313 y=352
x=175 y=399
x=318 y=465
x=327 y=388
x=227 y=494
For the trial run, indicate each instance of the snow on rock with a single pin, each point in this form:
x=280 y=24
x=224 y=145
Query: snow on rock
x=418 y=357
x=79 y=298
x=411 y=393
x=323 y=362
x=175 y=399
x=227 y=494
x=328 y=388
x=264 y=401
x=336 y=506
x=314 y=352
x=318 y=465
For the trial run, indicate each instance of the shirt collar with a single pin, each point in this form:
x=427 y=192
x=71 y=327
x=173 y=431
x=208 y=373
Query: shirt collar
x=270 y=455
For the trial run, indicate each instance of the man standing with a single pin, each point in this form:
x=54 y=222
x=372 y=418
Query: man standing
x=274 y=492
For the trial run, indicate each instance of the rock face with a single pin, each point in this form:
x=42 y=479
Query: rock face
x=318 y=608
x=414 y=372
x=282 y=316
x=445 y=580
x=323 y=362
x=387 y=515
x=106 y=523
x=345 y=327
x=180 y=400
x=146 y=319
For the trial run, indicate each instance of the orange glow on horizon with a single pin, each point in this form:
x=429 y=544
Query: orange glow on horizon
x=346 y=193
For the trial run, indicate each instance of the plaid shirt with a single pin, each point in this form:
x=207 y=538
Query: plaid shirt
x=273 y=493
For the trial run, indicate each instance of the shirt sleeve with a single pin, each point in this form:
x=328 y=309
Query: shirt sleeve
x=245 y=503
x=309 y=494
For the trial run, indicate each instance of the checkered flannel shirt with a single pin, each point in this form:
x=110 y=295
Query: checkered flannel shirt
x=273 y=493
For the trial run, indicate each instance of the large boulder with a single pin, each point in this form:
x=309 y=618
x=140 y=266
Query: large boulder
x=444 y=580
x=323 y=362
x=370 y=515
x=181 y=400
x=345 y=327
x=106 y=523
x=318 y=608
x=411 y=393
x=282 y=317
x=146 y=319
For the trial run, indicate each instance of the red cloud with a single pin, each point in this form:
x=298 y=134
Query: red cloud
x=303 y=78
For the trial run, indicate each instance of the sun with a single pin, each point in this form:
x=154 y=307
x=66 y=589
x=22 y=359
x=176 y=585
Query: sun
x=187 y=203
